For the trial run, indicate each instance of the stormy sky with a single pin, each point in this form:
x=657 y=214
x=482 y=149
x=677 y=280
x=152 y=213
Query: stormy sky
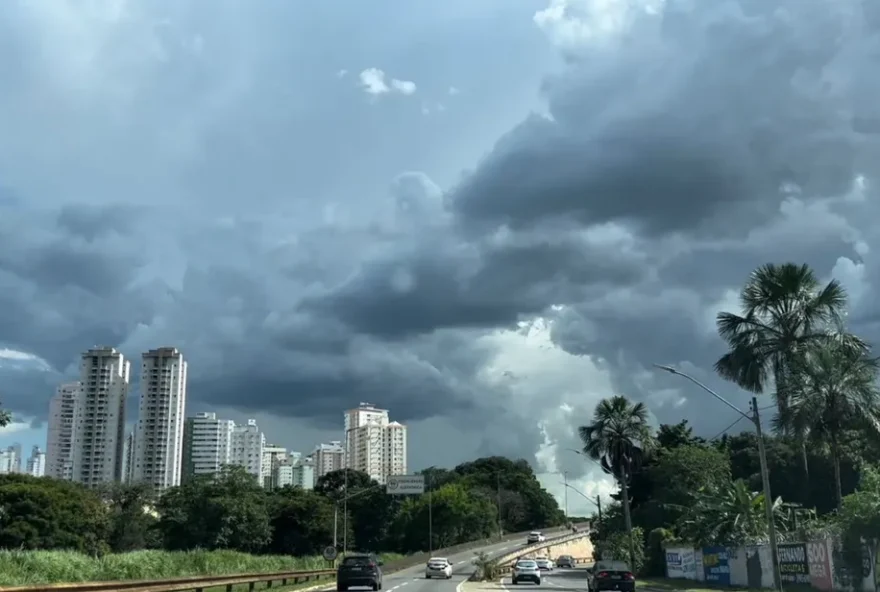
x=483 y=216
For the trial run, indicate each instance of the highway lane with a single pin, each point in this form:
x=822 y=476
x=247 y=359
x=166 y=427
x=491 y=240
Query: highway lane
x=413 y=579
x=559 y=580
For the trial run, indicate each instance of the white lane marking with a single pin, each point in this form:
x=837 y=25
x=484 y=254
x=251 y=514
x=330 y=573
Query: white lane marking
x=460 y=584
x=460 y=562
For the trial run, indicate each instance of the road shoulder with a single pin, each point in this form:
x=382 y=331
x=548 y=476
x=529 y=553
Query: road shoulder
x=468 y=586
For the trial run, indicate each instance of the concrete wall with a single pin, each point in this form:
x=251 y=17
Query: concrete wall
x=811 y=563
x=577 y=545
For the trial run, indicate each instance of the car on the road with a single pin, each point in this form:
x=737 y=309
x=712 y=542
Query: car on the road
x=361 y=569
x=438 y=567
x=526 y=570
x=611 y=575
x=535 y=537
x=544 y=564
x=566 y=561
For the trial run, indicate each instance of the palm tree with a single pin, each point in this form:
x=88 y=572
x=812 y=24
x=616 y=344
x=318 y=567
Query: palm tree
x=829 y=391
x=730 y=515
x=785 y=312
x=619 y=437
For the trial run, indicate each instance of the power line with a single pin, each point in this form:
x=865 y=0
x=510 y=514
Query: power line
x=724 y=431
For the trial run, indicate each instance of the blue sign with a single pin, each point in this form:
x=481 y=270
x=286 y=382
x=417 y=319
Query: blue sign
x=716 y=565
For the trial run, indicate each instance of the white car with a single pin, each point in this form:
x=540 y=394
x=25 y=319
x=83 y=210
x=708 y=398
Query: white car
x=526 y=570
x=438 y=567
x=544 y=564
x=535 y=537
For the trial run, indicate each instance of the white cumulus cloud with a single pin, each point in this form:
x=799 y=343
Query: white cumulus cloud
x=375 y=82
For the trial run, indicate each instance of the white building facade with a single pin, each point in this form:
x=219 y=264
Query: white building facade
x=207 y=444
x=99 y=417
x=303 y=474
x=158 y=439
x=374 y=444
x=10 y=460
x=272 y=456
x=59 y=440
x=328 y=458
x=248 y=443
x=36 y=463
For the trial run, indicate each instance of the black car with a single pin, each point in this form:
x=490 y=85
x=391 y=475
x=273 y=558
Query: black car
x=359 y=570
x=565 y=561
x=610 y=575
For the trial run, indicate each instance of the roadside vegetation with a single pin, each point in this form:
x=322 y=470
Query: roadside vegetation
x=58 y=531
x=817 y=389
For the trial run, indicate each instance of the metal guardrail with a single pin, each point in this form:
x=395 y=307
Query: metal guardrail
x=284 y=578
x=577 y=561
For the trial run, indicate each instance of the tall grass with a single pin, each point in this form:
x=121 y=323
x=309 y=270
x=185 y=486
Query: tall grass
x=23 y=568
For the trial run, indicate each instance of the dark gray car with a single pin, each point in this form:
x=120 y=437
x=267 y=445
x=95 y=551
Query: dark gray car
x=359 y=570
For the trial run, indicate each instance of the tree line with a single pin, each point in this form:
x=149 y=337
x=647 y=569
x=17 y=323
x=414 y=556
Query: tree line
x=231 y=510
x=818 y=382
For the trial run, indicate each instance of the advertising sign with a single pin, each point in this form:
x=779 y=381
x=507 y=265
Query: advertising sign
x=819 y=562
x=405 y=484
x=793 y=564
x=716 y=567
x=681 y=563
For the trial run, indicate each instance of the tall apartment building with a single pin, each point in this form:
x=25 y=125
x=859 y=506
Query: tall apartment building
x=128 y=458
x=59 y=441
x=374 y=444
x=99 y=417
x=272 y=456
x=158 y=439
x=328 y=458
x=36 y=463
x=248 y=443
x=10 y=460
x=207 y=444
x=303 y=474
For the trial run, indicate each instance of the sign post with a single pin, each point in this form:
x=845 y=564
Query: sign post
x=405 y=485
x=330 y=555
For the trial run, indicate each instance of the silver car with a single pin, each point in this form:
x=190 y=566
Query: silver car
x=526 y=570
x=438 y=567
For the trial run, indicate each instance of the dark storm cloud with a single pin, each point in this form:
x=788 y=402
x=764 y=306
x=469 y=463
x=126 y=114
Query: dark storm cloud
x=702 y=111
x=91 y=222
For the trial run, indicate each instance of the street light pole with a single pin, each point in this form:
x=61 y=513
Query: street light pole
x=430 y=517
x=565 y=475
x=755 y=418
x=498 y=483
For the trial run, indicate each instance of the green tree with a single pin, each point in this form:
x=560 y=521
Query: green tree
x=370 y=509
x=5 y=418
x=459 y=515
x=48 y=513
x=132 y=517
x=224 y=511
x=830 y=391
x=785 y=313
x=618 y=437
x=530 y=505
x=729 y=515
x=301 y=522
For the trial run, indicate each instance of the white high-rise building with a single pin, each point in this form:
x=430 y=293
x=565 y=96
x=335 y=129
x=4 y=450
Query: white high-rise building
x=248 y=443
x=128 y=457
x=10 y=460
x=272 y=456
x=207 y=444
x=373 y=444
x=328 y=458
x=99 y=417
x=59 y=444
x=303 y=473
x=36 y=463
x=158 y=439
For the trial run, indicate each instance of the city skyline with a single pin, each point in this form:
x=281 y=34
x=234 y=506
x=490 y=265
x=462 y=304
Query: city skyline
x=91 y=441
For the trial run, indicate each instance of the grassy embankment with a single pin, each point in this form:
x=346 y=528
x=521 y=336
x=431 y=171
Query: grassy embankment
x=27 y=568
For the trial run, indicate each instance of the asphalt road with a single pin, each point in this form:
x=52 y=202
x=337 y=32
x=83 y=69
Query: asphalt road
x=413 y=578
x=572 y=580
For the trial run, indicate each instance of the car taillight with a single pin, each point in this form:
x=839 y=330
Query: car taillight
x=372 y=565
x=628 y=576
x=602 y=574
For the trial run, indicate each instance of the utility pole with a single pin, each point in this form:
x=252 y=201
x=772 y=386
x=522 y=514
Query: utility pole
x=565 y=476
x=498 y=483
x=768 y=500
x=599 y=505
x=755 y=418
x=430 y=516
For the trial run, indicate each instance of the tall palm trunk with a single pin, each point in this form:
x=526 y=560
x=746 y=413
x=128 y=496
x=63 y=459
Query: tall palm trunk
x=627 y=517
x=806 y=461
x=835 y=458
